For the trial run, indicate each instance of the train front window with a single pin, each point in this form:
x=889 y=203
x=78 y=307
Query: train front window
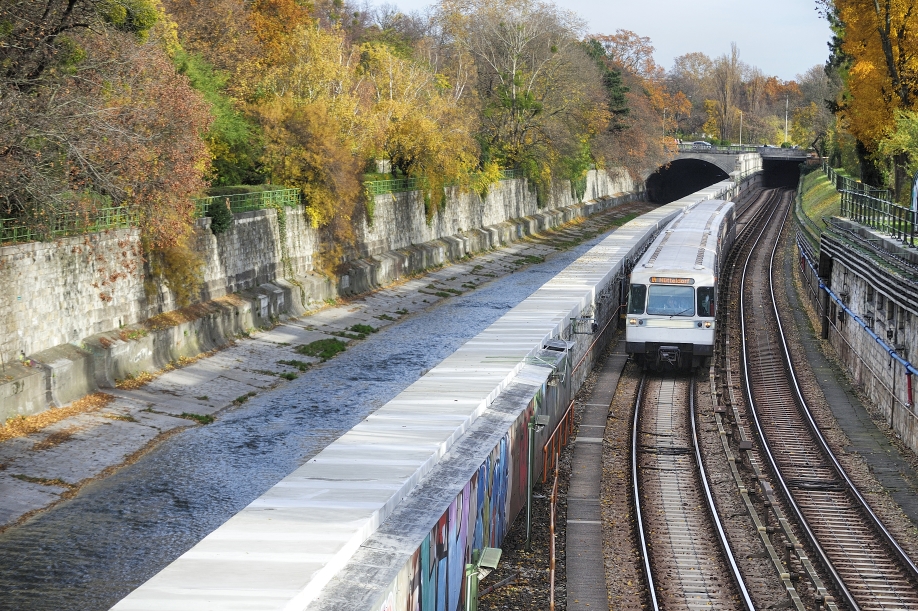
x=668 y=300
x=705 y=301
x=636 y=298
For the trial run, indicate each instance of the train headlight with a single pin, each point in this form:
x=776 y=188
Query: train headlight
x=632 y=321
x=708 y=324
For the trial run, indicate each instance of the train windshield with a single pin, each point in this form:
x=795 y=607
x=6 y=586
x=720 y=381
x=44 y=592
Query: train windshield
x=705 y=301
x=636 y=298
x=668 y=300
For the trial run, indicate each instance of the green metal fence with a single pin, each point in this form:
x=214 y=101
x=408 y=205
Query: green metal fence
x=17 y=230
x=62 y=224
x=246 y=202
x=404 y=185
x=872 y=207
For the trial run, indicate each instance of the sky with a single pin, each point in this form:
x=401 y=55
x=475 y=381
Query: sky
x=782 y=37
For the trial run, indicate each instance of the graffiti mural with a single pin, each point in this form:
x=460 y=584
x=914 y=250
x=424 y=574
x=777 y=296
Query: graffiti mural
x=481 y=514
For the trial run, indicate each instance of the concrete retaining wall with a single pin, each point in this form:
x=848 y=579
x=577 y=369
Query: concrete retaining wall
x=887 y=303
x=77 y=306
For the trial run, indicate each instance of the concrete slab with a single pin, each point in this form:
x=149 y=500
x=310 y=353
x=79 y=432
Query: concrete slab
x=93 y=444
x=20 y=497
x=586 y=581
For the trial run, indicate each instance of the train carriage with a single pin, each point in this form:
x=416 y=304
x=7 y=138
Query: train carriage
x=672 y=298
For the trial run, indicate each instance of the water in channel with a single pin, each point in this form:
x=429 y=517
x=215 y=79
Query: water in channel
x=91 y=551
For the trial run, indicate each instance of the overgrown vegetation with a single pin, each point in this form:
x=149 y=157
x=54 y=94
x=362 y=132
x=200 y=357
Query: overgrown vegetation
x=323 y=348
x=199 y=418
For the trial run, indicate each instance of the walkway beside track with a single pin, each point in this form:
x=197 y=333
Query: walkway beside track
x=885 y=461
x=586 y=580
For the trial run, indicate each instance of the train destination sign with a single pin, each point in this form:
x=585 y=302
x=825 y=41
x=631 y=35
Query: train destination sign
x=662 y=280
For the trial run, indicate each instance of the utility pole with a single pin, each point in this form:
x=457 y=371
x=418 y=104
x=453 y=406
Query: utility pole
x=786 y=102
x=741 y=128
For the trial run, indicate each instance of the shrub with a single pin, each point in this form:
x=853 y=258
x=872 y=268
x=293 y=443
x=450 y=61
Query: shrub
x=221 y=219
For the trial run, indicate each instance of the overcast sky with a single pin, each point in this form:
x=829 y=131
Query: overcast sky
x=782 y=37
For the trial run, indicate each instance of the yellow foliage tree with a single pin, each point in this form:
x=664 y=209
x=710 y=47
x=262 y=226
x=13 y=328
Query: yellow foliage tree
x=420 y=126
x=882 y=76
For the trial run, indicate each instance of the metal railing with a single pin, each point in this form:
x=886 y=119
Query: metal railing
x=405 y=185
x=246 y=202
x=55 y=225
x=52 y=225
x=557 y=441
x=871 y=206
x=732 y=149
x=843 y=182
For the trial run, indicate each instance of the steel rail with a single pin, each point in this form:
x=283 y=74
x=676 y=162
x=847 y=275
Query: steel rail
x=888 y=537
x=801 y=520
x=712 y=508
x=645 y=553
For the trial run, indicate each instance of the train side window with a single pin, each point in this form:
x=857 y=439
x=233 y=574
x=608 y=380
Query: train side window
x=705 y=300
x=636 y=298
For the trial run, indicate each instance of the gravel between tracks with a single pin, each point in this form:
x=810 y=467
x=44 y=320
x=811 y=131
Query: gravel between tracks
x=624 y=575
x=762 y=581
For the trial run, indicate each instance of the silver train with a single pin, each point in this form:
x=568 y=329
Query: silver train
x=672 y=298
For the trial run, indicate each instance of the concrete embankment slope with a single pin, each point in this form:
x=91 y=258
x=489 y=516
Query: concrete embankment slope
x=403 y=463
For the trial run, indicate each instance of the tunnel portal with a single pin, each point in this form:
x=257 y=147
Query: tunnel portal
x=680 y=178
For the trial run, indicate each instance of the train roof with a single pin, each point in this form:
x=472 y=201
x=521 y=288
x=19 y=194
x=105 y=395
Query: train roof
x=689 y=242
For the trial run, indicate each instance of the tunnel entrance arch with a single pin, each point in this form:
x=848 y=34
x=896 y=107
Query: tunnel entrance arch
x=682 y=177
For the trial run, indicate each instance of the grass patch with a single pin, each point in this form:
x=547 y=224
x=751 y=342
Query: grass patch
x=322 y=348
x=442 y=294
x=401 y=312
x=243 y=398
x=301 y=365
x=385 y=317
x=199 y=418
x=122 y=417
x=364 y=329
x=203 y=398
x=528 y=259
x=288 y=375
x=819 y=197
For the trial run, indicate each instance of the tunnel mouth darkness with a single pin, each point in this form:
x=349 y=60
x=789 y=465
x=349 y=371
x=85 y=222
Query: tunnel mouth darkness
x=682 y=177
x=778 y=173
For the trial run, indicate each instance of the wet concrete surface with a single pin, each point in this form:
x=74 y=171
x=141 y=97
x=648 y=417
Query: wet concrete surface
x=884 y=459
x=88 y=552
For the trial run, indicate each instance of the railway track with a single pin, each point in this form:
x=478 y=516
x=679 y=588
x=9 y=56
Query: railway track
x=687 y=559
x=830 y=535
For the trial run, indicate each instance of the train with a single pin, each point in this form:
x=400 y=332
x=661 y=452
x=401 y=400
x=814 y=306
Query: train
x=673 y=289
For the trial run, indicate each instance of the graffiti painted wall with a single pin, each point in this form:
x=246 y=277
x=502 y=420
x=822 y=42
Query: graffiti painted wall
x=478 y=517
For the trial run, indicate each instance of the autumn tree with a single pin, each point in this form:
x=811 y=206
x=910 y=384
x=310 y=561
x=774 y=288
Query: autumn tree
x=532 y=94
x=422 y=126
x=652 y=108
x=726 y=79
x=691 y=75
x=873 y=52
x=94 y=115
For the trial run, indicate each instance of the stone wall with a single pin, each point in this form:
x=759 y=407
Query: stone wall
x=883 y=300
x=69 y=304
x=399 y=219
x=881 y=378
